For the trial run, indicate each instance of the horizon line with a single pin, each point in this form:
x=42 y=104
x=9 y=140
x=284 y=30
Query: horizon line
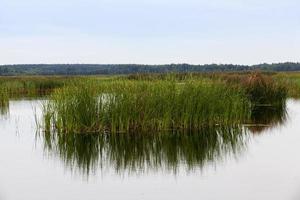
x=264 y=63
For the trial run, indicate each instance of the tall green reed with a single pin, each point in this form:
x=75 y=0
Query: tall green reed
x=125 y=106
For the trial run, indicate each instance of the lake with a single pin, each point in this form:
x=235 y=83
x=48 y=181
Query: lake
x=248 y=162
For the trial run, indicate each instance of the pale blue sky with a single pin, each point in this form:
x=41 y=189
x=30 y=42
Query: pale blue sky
x=149 y=31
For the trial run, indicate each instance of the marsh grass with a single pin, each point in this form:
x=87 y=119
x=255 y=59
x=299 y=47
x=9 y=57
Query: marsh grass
x=160 y=102
x=291 y=81
x=74 y=108
x=260 y=87
x=264 y=90
x=129 y=106
x=146 y=102
x=15 y=87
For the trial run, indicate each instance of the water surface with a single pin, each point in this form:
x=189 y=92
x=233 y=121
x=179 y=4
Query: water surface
x=249 y=162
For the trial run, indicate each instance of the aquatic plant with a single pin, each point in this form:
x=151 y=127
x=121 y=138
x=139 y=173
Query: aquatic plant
x=74 y=108
x=125 y=106
x=264 y=90
x=291 y=81
x=31 y=86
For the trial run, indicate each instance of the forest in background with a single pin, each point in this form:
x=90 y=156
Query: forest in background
x=111 y=69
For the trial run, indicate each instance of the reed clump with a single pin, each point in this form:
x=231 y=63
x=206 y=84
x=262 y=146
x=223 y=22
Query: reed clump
x=260 y=88
x=126 y=106
x=160 y=102
x=73 y=108
x=263 y=89
x=292 y=82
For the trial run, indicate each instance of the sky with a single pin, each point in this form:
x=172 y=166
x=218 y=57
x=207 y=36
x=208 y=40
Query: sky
x=149 y=31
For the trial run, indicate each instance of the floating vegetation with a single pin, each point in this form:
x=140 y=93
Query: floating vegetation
x=139 y=153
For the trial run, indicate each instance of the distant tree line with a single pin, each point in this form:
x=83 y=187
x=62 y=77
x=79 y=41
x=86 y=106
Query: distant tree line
x=110 y=69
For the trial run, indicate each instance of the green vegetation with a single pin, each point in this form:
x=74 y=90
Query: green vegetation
x=151 y=121
x=143 y=102
x=292 y=82
x=159 y=103
x=260 y=89
x=129 y=106
x=31 y=86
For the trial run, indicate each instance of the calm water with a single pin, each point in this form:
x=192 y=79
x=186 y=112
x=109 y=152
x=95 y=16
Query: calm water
x=225 y=163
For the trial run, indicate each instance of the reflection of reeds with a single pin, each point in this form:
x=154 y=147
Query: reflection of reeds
x=266 y=117
x=4 y=101
x=138 y=153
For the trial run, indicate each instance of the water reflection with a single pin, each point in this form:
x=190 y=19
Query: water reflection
x=169 y=151
x=266 y=117
x=139 y=153
x=4 y=107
